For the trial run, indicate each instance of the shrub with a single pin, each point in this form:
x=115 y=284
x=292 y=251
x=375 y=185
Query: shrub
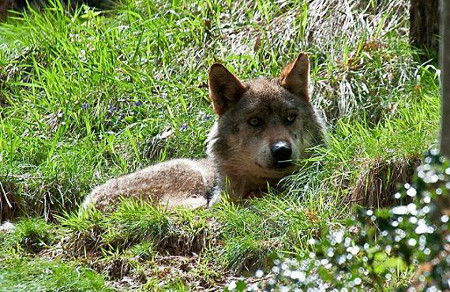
x=378 y=249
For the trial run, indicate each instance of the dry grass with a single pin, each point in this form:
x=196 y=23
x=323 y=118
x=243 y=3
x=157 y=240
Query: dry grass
x=377 y=185
x=9 y=201
x=352 y=64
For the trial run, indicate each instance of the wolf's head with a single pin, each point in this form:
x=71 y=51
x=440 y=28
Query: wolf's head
x=264 y=125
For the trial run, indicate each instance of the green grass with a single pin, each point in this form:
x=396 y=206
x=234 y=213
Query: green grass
x=31 y=235
x=28 y=274
x=89 y=95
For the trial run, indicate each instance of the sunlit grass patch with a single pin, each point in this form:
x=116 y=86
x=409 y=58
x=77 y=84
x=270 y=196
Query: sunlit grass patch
x=28 y=274
x=354 y=145
x=176 y=233
x=250 y=236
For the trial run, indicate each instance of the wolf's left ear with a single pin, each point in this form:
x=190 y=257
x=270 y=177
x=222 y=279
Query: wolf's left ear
x=225 y=89
x=295 y=77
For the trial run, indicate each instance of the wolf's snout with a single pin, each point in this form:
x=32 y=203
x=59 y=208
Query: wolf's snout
x=281 y=152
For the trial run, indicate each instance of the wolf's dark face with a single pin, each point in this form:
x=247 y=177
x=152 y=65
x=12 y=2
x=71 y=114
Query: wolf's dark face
x=264 y=125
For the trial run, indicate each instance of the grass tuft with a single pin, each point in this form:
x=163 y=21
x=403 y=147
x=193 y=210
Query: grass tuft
x=378 y=184
x=26 y=274
x=32 y=235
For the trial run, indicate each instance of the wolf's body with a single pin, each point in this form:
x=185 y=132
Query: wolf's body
x=264 y=126
x=179 y=182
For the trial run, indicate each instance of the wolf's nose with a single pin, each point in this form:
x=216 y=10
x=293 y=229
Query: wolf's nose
x=281 y=151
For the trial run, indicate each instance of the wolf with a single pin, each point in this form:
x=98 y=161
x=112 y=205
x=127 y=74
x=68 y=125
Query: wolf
x=264 y=127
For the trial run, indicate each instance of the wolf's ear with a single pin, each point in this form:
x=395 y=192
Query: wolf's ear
x=295 y=76
x=224 y=88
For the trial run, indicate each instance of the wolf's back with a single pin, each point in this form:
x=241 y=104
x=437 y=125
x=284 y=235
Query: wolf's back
x=179 y=182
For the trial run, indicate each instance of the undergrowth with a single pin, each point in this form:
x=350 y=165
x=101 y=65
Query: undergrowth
x=373 y=250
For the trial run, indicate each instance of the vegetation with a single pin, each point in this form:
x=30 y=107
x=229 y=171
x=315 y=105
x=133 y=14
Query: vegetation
x=87 y=95
x=372 y=250
x=31 y=274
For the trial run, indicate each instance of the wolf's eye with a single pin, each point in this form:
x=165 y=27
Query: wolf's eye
x=290 y=119
x=255 y=122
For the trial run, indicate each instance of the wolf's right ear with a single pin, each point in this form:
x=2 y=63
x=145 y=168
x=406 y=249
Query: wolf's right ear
x=225 y=89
